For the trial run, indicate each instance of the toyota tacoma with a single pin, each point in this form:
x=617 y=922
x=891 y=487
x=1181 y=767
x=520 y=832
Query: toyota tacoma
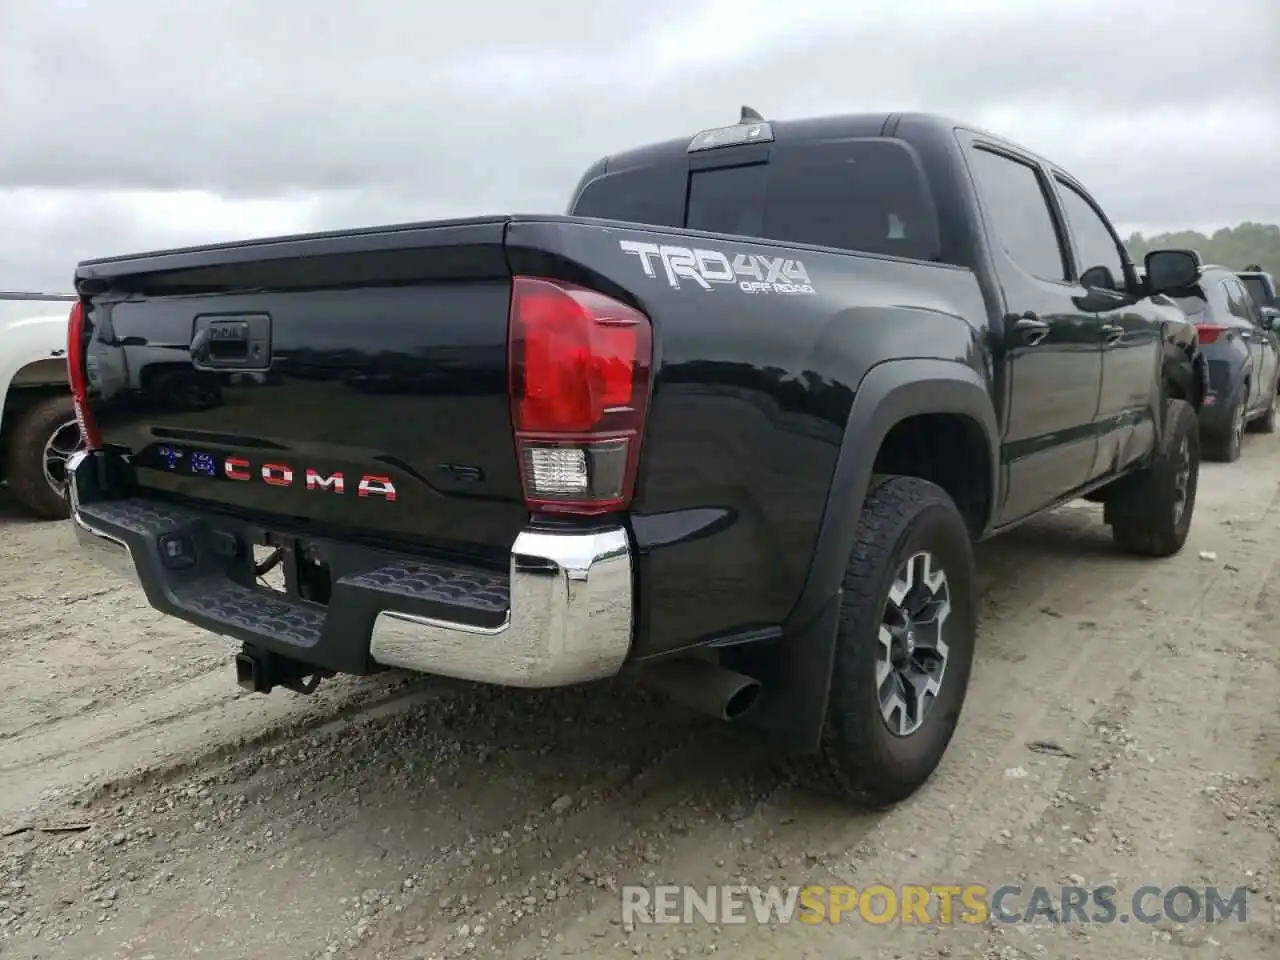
x=732 y=426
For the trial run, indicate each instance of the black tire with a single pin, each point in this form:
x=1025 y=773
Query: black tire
x=1224 y=445
x=25 y=455
x=1144 y=512
x=860 y=759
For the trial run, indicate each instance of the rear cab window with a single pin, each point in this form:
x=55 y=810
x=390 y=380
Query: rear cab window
x=650 y=195
x=860 y=195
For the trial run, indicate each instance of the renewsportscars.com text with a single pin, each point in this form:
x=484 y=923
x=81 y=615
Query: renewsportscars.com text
x=930 y=904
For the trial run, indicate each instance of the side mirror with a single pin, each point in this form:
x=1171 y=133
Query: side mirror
x=1098 y=278
x=1270 y=318
x=1171 y=270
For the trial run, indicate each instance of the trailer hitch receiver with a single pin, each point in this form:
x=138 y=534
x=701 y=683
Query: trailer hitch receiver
x=259 y=671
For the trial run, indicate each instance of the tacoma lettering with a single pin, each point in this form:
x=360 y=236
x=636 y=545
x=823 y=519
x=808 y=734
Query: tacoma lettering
x=277 y=474
x=318 y=481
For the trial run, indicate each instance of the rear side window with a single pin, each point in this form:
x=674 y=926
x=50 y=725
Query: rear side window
x=865 y=196
x=1018 y=213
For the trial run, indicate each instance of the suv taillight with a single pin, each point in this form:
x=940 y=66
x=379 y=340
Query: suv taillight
x=579 y=365
x=1209 y=332
x=78 y=378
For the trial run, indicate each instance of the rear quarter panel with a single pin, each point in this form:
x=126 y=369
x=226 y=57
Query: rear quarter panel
x=33 y=352
x=751 y=395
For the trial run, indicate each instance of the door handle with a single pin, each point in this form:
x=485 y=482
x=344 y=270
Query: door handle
x=1032 y=328
x=1112 y=332
x=200 y=348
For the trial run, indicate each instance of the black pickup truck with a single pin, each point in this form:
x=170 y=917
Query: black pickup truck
x=731 y=426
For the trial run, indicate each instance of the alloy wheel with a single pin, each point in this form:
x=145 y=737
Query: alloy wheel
x=62 y=443
x=1181 y=480
x=912 y=656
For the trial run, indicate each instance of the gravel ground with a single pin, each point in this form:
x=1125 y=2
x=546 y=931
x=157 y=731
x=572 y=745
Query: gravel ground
x=1122 y=727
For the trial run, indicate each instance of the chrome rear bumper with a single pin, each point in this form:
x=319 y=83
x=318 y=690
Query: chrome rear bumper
x=569 y=619
x=568 y=596
x=103 y=548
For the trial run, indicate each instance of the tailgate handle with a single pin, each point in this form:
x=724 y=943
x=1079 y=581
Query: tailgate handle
x=232 y=343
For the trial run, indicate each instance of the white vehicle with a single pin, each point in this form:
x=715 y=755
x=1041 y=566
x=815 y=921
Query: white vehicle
x=38 y=429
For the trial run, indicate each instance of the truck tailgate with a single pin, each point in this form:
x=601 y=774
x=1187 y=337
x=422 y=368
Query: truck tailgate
x=351 y=382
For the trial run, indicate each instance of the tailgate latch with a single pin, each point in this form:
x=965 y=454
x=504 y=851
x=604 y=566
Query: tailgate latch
x=224 y=342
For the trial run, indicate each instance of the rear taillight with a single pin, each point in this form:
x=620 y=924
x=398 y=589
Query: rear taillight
x=78 y=378
x=1209 y=332
x=579 y=365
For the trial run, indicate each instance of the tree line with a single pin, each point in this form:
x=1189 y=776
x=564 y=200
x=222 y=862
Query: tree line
x=1237 y=247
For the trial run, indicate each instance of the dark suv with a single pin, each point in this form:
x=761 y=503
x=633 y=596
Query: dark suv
x=1243 y=351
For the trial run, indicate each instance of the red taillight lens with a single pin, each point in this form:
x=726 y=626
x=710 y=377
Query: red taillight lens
x=1209 y=332
x=78 y=378
x=580 y=365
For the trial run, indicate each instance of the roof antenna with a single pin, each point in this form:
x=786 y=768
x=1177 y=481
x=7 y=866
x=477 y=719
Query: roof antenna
x=750 y=116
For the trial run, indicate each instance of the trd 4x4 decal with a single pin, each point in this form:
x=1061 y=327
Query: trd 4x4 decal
x=749 y=272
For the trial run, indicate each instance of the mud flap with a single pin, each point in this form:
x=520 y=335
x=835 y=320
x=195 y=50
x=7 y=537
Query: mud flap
x=797 y=683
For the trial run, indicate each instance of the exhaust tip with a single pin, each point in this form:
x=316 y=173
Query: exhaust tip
x=742 y=701
x=704 y=686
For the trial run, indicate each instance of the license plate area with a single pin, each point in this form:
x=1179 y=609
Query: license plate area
x=292 y=567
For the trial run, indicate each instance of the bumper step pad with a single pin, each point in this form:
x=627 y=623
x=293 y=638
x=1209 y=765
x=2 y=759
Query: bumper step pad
x=220 y=593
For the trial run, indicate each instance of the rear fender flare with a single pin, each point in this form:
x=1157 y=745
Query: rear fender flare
x=889 y=393
x=793 y=706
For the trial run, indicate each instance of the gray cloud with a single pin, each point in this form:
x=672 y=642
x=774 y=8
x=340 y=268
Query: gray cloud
x=383 y=111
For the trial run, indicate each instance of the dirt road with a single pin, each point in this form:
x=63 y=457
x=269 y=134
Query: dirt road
x=1123 y=727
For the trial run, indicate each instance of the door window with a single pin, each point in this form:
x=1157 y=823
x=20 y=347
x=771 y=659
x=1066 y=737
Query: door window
x=1017 y=211
x=1097 y=250
x=1237 y=302
x=1247 y=303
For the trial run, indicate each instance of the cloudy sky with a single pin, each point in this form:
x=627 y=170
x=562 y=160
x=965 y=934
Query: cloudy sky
x=128 y=125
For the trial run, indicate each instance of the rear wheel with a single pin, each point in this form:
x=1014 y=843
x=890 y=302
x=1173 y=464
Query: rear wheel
x=1150 y=512
x=44 y=437
x=908 y=620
